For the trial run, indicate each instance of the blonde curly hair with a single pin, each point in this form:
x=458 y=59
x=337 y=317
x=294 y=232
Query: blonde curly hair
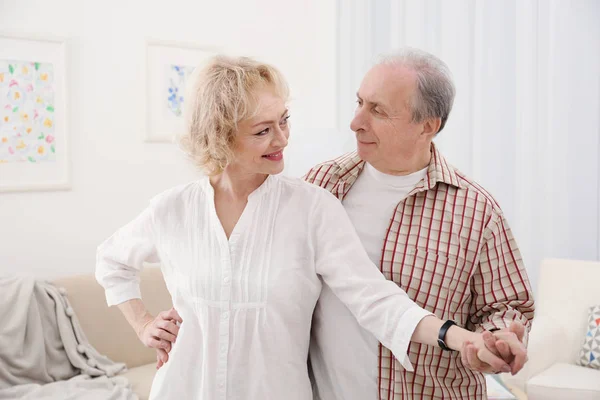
x=220 y=96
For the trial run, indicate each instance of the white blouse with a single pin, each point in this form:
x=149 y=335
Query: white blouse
x=247 y=302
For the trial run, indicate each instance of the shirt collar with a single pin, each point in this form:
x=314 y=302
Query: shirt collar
x=439 y=170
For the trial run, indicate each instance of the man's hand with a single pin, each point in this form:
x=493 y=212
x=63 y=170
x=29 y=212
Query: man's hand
x=477 y=355
x=509 y=342
x=506 y=343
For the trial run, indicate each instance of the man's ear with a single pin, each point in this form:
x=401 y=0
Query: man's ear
x=432 y=126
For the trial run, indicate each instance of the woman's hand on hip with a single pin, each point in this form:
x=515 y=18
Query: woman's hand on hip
x=160 y=333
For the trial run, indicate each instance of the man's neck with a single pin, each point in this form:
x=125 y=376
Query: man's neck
x=404 y=164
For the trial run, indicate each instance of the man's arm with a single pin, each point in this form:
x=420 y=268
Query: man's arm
x=502 y=297
x=500 y=285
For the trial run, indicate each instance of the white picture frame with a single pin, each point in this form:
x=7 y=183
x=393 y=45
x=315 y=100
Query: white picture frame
x=163 y=112
x=34 y=138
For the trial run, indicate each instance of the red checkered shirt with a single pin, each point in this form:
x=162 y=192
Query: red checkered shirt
x=448 y=245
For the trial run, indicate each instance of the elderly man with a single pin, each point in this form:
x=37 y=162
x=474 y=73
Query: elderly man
x=432 y=230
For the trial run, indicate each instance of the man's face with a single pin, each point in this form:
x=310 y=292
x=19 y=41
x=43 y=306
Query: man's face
x=382 y=120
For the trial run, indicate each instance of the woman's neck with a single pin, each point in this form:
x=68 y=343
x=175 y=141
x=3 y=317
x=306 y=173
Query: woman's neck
x=236 y=184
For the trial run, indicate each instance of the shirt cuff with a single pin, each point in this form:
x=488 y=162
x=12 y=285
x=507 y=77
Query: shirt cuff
x=494 y=324
x=123 y=292
x=407 y=325
x=498 y=324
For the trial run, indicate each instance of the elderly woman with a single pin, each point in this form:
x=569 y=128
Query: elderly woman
x=244 y=252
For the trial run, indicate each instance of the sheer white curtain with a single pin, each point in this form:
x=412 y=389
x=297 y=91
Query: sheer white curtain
x=526 y=120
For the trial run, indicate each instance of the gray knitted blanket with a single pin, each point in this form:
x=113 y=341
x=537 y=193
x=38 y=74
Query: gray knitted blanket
x=44 y=353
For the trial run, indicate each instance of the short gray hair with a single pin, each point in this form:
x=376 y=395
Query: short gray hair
x=435 y=89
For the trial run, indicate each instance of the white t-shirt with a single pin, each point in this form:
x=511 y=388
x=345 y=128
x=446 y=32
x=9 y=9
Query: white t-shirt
x=247 y=301
x=344 y=356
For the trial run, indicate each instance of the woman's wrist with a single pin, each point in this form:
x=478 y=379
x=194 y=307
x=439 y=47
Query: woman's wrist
x=136 y=314
x=142 y=323
x=457 y=336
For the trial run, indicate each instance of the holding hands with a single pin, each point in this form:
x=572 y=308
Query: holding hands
x=495 y=352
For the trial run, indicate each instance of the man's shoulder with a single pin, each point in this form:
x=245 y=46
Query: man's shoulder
x=324 y=173
x=477 y=193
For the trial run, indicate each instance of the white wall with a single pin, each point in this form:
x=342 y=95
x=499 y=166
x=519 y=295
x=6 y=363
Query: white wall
x=526 y=120
x=114 y=172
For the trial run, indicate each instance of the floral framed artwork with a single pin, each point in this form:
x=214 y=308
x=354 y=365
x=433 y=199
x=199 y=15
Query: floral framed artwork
x=169 y=67
x=34 y=149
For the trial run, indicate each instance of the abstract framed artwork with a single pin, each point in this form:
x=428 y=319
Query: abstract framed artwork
x=169 y=67
x=34 y=148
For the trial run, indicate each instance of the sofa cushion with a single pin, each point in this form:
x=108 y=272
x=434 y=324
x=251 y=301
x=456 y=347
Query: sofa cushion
x=105 y=327
x=566 y=290
x=565 y=381
x=141 y=379
x=590 y=352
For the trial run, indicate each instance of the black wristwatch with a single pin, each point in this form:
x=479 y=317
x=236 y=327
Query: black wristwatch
x=442 y=335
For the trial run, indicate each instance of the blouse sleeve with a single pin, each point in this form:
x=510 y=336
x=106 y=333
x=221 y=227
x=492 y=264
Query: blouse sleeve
x=379 y=305
x=119 y=260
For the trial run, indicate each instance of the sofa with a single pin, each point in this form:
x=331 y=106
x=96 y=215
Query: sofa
x=566 y=291
x=107 y=329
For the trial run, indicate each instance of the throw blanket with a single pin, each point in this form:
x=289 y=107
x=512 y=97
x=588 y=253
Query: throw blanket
x=44 y=353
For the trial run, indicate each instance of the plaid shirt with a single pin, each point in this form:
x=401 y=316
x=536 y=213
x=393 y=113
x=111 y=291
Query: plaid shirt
x=449 y=247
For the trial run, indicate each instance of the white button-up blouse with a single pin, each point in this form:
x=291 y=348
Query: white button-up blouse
x=247 y=302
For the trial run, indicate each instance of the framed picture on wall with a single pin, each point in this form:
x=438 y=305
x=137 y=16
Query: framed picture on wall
x=34 y=146
x=169 y=67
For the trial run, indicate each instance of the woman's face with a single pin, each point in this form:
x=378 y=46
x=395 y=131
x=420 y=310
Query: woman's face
x=260 y=140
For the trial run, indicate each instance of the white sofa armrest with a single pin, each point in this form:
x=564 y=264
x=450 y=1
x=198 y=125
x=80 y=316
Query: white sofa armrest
x=543 y=350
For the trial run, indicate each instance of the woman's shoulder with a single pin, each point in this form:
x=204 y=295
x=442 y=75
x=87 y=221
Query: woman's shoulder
x=302 y=188
x=177 y=195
